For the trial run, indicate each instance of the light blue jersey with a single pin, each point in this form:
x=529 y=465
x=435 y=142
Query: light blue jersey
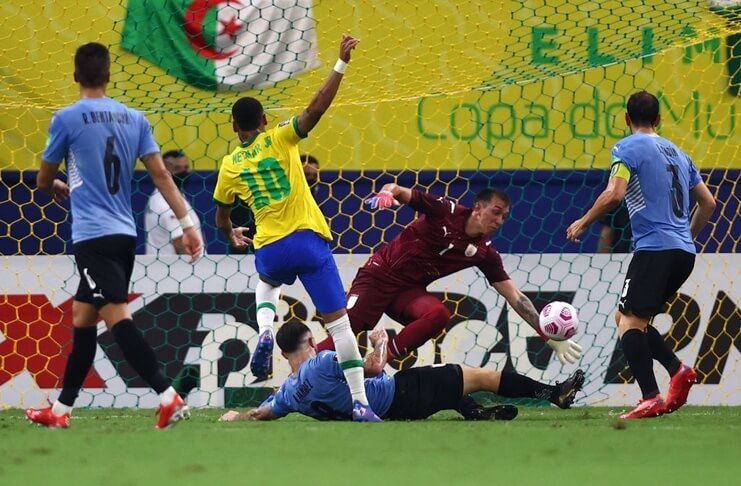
x=319 y=390
x=100 y=139
x=658 y=194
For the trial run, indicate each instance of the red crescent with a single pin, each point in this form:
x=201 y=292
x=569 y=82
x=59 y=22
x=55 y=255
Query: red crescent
x=194 y=28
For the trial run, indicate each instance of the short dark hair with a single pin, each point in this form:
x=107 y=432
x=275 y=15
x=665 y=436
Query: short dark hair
x=643 y=109
x=92 y=65
x=290 y=335
x=174 y=154
x=309 y=159
x=247 y=113
x=486 y=195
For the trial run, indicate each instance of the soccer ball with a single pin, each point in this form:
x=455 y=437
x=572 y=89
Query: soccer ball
x=559 y=321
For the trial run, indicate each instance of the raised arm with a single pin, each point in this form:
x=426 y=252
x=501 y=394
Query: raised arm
x=324 y=97
x=376 y=360
x=705 y=208
x=608 y=200
x=191 y=239
x=566 y=351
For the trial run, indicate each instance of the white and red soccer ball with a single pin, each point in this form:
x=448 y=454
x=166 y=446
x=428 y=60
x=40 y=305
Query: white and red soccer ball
x=559 y=321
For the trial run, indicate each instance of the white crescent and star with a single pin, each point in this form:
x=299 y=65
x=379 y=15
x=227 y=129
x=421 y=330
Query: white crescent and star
x=193 y=27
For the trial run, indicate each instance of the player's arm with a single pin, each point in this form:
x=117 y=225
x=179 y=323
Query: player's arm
x=606 y=202
x=236 y=236
x=323 y=98
x=57 y=146
x=263 y=412
x=179 y=246
x=566 y=351
x=46 y=180
x=376 y=360
x=705 y=207
x=163 y=181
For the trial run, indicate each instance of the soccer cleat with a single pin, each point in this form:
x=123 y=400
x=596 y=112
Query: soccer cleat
x=363 y=413
x=46 y=418
x=261 y=364
x=679 y=388
x=170 y=414
x=648 y=408
x=497 y=412
x=566 y=391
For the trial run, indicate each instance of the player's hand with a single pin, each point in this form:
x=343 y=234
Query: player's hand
x=576 y=229
x=382 y=200
x=230 y=416
x=566 y=351
x=347 y=44
x=192 y=243
x=378 y=336
x=59 y=190
x=238 y=239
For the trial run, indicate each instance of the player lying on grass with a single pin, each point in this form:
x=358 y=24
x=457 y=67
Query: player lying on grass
x=316 y=386
x=445 y=239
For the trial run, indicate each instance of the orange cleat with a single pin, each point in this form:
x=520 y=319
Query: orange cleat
x=648 y=408
x=679 y=388
x=168 y=415
x=45 y=417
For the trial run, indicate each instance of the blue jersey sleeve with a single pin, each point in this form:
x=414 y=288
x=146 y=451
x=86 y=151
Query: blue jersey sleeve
x=695 y=177
x=329 y=365
x=621 y=153
x=57 y=143
x=147 y=144
x=278 y=403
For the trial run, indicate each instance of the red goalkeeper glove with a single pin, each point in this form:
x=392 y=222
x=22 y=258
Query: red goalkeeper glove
x=382 y=200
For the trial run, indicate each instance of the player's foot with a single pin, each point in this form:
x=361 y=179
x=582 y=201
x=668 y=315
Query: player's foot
x=497 y=412
x=679 y=388
x=261 y=364
x=45 y=417
x=363 y=413
x=170 y=414
x=650 y=407
x=566 y=391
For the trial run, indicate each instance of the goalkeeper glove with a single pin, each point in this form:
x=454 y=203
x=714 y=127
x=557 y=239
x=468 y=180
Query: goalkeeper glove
x=382 y=200
x=566 y=351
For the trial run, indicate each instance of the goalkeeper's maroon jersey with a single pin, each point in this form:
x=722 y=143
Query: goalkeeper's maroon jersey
x=435 y=245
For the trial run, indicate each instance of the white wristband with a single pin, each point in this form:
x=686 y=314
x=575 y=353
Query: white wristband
x=340 y=66
x=186 y=222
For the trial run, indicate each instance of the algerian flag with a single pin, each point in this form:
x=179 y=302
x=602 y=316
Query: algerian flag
x=224 y=44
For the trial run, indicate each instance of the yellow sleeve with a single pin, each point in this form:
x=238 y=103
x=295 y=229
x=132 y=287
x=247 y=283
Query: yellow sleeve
x=620 y=170
x=224 y=190
x=287 y=132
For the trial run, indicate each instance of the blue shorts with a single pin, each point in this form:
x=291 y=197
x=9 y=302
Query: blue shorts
x=305 y=255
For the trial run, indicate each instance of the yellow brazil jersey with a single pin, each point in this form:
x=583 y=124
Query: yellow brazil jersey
x=266 y=173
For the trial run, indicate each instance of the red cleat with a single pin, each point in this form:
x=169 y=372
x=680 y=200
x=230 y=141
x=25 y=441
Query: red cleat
x=679 y=388
x=46 y=417
x=170 y=414
x=651 y=407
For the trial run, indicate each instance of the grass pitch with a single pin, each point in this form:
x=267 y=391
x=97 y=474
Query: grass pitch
x=542 y=446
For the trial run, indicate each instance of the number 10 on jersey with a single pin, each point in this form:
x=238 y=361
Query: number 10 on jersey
x=275 y=185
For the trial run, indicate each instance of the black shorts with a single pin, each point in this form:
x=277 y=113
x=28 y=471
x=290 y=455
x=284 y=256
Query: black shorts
x=105 y=266
x=653 y=277
x=424 y=391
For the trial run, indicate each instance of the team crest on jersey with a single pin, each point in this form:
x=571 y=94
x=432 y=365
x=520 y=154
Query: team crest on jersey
x=471 y=250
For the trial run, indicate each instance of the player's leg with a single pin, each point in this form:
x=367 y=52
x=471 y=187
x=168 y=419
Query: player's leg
x=321 y=278
x=267 y=294
x=423 y=316
x=511 y=384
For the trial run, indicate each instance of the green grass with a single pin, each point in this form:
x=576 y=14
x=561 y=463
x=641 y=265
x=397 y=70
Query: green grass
x=697 y=445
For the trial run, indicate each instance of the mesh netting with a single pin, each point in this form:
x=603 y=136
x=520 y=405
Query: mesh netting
x=446 y=96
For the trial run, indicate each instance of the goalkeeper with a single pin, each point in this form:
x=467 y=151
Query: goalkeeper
x=316 y=386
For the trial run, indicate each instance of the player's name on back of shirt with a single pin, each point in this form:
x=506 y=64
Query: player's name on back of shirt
x=121 y=117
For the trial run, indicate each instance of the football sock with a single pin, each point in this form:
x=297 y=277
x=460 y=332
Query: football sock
x=349 y=357
x=661 y=351
x=78 y=363
x=60 y=409
x=430 y=323
x=638 y=353
x=266 y=298
x=167 y=396
x=467 y=405
x=515 y=385
x=139 y=354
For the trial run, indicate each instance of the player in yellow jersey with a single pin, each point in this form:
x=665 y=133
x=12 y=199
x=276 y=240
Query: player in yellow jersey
x=292 y=237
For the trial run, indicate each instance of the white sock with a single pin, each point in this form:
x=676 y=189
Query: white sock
x=167 y=396
x=348 y=356
x=266 y=298
x=60 y=409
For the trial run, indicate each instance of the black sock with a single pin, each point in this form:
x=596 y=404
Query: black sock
x=467 y=405
x=78 y=363
x=661 y=351
x=139 y=354
x=638 y=353
x=514 y=385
